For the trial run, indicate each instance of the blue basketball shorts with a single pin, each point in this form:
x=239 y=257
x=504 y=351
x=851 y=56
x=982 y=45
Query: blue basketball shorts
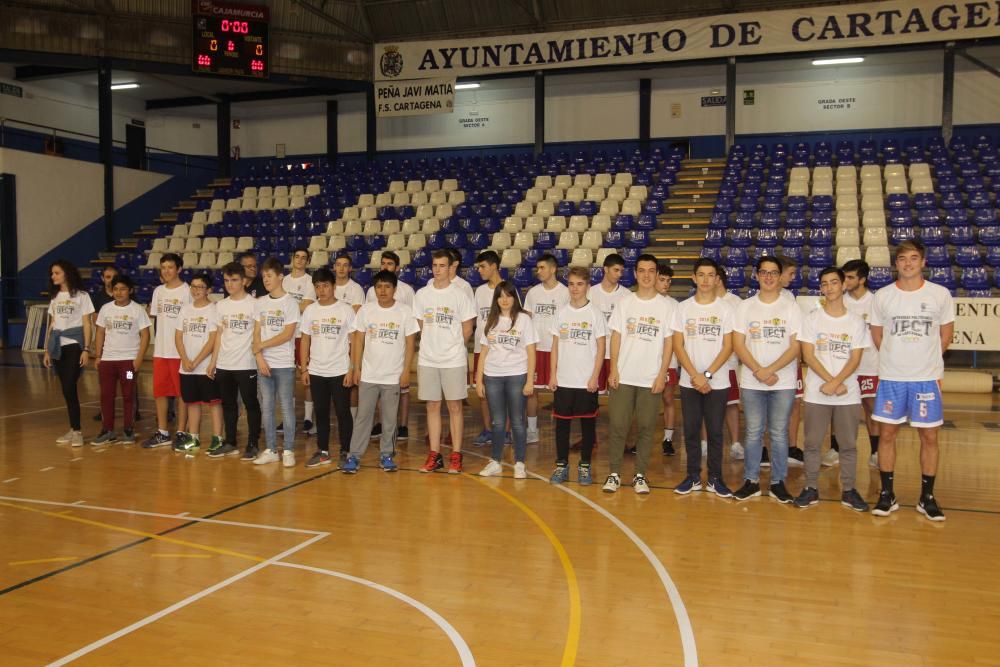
x=919 y=402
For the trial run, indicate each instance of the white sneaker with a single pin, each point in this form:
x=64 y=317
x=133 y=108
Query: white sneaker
x=612 y=483
x=519 y=471
x=704 y=449
x=831 y=458
x=66 y=438
x=639 y=484
x=288 y=458
x=265 y=457
x=873 y=461
x=77 y=439
x=736 y=451
x=532 y=436
x=492 y=469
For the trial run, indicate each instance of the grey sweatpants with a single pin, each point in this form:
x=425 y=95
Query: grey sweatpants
x=845 y=426
x=386 y=396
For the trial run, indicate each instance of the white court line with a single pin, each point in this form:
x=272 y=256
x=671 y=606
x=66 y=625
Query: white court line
x=456 y=639
x=12 y=479
x=104 y=641
x=688 y=644
x=79 y=502
x=38 y=412
x=181 y=514
x=79 y=458
x=262 y=526
x=47 y=469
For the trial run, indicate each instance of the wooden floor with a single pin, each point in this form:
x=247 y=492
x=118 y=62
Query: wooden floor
x=118 y=555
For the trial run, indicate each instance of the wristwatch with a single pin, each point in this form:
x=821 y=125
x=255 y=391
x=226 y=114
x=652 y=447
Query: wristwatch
x=708 y=374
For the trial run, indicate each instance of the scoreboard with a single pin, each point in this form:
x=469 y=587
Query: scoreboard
x=230 y=39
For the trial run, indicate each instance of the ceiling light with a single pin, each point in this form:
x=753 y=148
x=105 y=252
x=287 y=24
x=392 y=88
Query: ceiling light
x=466 y=86
x=124 y=86
x=839 y=61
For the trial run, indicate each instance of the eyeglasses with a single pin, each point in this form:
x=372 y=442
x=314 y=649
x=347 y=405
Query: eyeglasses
x=769 y=274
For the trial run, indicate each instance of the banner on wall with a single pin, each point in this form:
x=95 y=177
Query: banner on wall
x=758 y=33
x=414 y=97
x=977 y=324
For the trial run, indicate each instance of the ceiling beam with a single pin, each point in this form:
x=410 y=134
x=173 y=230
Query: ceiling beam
x=365 y=19
x=254 y=96
x=39 y=72
x=333 y=20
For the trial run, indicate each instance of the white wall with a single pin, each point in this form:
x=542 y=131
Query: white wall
x=57 y=197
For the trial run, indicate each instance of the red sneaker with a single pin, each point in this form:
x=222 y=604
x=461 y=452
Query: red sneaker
x=434 y=462
x=455 y=463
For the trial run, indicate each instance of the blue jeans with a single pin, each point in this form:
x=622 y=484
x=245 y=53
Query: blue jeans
x=505 y=398
x=773 y=408
x=278 y=390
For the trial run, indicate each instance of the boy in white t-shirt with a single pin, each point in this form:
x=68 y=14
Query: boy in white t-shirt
x=276 y=319
x=165 y=307
x=455 y=259
x=605 y=296
x=542 y=302
x=488 y=265
x=641 y=346
x=299 y=285
x=195 y=338
x=732 y=370
x=577 y=360
x=765 y=335
x=445 y=315
x=664 y=278
x=833 y=340
x=703 y=342
x=233 y=363
x=860 y=301
x=912 y=324
x=120 y=348
x=346 y=289
x=385 y=334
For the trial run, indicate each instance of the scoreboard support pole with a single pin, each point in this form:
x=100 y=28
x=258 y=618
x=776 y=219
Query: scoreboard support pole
x=105 y=134
x=223 y=138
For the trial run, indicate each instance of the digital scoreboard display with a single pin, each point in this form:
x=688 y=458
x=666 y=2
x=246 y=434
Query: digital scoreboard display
x=230 y=39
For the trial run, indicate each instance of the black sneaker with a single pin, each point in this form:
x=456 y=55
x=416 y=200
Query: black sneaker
x=402 y=433
x=809 y=496
x=180 y=438
x=319 y=459
x=886 y=504
x=104 y=438
x=765 y=460
x=251 y=452
x=781 y=494
x=853 y=500
x=225 y=449
x=128 y=437
x=796 y=457
x=376 y=431
x=748 y=490
x=668 y=447
x=156 y=440
x=308 y=428
x=928 y=506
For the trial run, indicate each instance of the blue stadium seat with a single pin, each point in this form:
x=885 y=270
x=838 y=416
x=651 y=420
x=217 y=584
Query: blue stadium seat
x=736 y=257
x=718 y=220
x=770 y=219
x=879 y=277
x=793 y=236
x=899 y=234
x=822 y=219
x=820 y=237
x=937 y=255
x=896 y=202
x=822 y=203
x=637 y=238
x=820 y=257
x=614 y=239
x=795 y=219
x=927 y=217
x=811 y=276
x=628 y=277
x=797 y=203
x=943 y=276
x=740 y=237
x=747 y=204
x=712 y=252
x=933 y=235
x=767 y=237
x=735 y=278
x=899 y=218
x=962 y=235
x=967 y=255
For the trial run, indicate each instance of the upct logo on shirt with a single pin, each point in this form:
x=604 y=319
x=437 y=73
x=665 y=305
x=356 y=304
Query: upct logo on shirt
x=644 y=327
x=65 y=308
x=384 y=331
x=195 y=325
x=767 y=330
x=706 y=327
x=484 y=313
x=441 y=315
x=545 y=309
x=509 y=338
x=838 y=345
x=274 y=319
x=575 y=331
x=122 y=323
x=170 y=307
x=327 y=326
x=912 y=327
x=238 y=322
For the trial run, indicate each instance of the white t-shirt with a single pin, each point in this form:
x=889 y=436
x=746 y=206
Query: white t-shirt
x=122 y=326
x=166 y=308
x=68 y=312
x=329 y=329
x=386 y=330
x=863 y=308
x=350 y=293
x=606 y=302
x=543 y=304
x=578 y=330
x=643 y=324
x=465 y=286
x=911 y=331
x=442 y=312
x=274 y=315
x=833 y=339
x=404 y=294
x=734 y=302
x=196 y=325
x=674 y=363
x=768 y=328
x=236 y=318
x=483 y=302
x=300 y=288
x=508 y=346
x=704 y=326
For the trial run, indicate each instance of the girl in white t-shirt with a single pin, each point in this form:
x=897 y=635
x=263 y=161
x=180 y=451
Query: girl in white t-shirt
x=505 y=375
x=67 y=339
x=195 y=340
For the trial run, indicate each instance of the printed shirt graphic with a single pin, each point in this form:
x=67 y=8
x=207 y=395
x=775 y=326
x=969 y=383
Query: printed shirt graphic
x=274 y=315
x=300 y=288
x=769 y=328
x=543 y=304
x=235 y=321
x=703 y=327
x=385 y=330
x=122 y=326
x=196 y=326
x=329 y=329
x=441 y=313
x=642 y=324
x=508 y=346
x=166 y=308
x=484 y=300
x=68 y=312
x=911 y=331
x=350 y=293
x=834 y=338
x=578 y=330
x=863 y=308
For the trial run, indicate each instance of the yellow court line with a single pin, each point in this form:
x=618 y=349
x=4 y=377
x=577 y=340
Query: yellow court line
x=575 y=614
x=140 y=533
x=57 y=559
x=181 y=555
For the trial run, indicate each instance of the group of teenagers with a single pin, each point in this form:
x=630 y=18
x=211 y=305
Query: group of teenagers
x=871 y=357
